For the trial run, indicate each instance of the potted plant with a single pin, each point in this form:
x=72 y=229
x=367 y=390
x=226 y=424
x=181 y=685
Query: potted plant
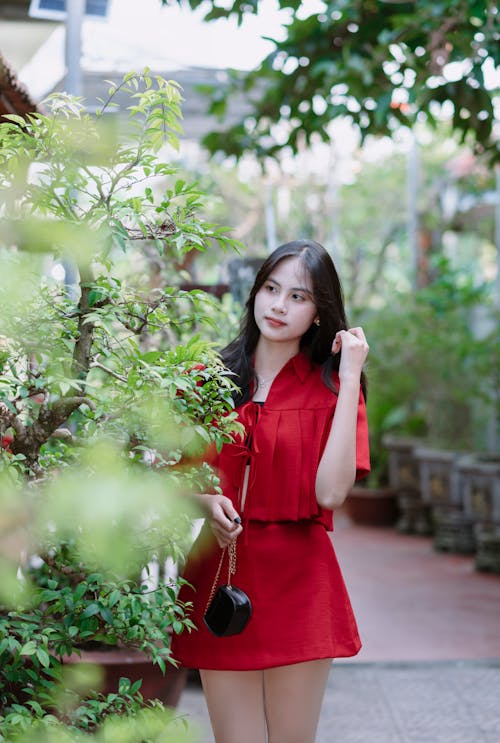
x=107 y=396
x=373 y=500
x=479 y=471
x=371 y=505
x=425 y=370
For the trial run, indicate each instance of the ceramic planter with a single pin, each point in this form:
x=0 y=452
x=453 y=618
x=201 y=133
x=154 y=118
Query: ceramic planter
x=371 y=506
x=133 y=664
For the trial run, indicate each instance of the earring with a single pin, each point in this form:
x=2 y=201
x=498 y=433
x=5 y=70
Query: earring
x=317 y=321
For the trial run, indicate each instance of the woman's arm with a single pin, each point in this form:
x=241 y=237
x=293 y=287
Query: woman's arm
x=337 y=468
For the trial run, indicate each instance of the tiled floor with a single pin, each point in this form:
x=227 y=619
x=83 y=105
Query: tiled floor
x=429 y=669
x=444 y=702
x=413 y=603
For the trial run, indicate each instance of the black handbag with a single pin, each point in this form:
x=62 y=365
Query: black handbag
x=229 y=609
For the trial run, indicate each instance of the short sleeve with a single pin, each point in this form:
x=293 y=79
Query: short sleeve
x=362 y=442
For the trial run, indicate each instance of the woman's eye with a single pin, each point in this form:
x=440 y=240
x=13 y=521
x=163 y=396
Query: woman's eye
x=270 y=287
x=298 y=297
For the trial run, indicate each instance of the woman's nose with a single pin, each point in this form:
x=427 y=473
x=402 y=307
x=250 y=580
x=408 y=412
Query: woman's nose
x=279 y=305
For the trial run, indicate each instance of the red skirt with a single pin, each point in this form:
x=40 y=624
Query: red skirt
x=300 y=606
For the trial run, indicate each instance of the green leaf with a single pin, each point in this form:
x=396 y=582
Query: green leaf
x=177 y=626
x=79 y=591
x=91 y=610
x=113 y=598
x=29 y=648
x=135 y=687
x=16 y=119
x=43 y=657
x=107 y=615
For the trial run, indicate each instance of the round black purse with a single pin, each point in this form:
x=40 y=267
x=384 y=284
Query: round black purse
x=228 y=608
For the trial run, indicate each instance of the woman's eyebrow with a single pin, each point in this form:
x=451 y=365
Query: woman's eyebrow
x=294 y=288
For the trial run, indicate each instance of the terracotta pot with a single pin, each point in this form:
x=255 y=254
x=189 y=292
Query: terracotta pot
x=372 y=506
x=133 y=664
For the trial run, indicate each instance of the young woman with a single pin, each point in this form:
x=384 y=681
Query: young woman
x=301 y=401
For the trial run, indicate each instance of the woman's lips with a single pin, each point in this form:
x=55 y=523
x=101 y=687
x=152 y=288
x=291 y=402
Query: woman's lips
x=275 y=323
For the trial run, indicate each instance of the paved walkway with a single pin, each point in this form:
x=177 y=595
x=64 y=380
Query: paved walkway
x=429 y=670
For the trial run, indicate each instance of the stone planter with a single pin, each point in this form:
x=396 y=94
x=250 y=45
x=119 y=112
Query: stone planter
x=480 y=476
x=487 y=548
x=439 y=478
x=133 y=664
x=415 y=514
x=372 y=506
x=453 y=531
x=441 y=489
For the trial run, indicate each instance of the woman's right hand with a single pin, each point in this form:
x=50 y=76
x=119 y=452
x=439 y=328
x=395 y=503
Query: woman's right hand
x=223 y=518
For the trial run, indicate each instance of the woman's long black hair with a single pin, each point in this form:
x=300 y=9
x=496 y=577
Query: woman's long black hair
x=317 y=340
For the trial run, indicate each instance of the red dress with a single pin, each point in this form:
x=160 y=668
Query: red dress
x=285 y=559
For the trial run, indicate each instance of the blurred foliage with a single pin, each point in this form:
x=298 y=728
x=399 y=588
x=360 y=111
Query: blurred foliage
x=381 y=63
x=122 y=717
x=109 y=396
x=433 y=365
x=354 y=200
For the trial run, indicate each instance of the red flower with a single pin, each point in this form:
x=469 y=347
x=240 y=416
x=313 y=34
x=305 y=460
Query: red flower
x=6 y=441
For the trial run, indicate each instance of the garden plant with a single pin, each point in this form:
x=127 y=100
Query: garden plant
x=109 y=391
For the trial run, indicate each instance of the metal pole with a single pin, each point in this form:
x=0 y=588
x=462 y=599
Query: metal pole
x=74 y=20
x=494 y=432
x=497 y=234
x=412 y=191
x=332 y=208
x=75 y=10
x=271 y=238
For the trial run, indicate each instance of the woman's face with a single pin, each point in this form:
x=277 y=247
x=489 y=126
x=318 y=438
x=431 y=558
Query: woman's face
x=284 y=308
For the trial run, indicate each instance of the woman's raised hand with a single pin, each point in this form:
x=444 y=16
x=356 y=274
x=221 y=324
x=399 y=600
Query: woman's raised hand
x=354 y=352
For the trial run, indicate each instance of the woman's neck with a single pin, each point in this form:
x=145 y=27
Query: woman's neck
x=269 y=357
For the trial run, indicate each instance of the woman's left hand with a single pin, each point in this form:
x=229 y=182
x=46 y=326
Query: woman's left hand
x=354 y=352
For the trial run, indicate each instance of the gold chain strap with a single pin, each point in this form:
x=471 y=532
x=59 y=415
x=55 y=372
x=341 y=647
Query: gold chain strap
x=231 y=570
x=232 y=562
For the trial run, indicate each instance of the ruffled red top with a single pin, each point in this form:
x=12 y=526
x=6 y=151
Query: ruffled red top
x=283 y=444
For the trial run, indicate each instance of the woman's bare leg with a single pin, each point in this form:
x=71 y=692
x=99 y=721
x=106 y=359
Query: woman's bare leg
x=235 y=701
x=292 y=698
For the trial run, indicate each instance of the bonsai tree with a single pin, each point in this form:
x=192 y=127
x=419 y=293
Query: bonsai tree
x=108 y=395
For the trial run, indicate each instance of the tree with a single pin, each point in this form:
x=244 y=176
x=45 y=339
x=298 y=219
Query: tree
x=70 y=198
x=354 y=200
x=382 y=63
x=108 y=393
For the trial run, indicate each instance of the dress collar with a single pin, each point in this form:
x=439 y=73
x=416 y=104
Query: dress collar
x=302 y=365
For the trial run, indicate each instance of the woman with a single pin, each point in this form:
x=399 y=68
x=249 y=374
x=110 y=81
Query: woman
x=301 y=401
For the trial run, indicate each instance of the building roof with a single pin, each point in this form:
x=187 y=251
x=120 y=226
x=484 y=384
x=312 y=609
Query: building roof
x=14 y=97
